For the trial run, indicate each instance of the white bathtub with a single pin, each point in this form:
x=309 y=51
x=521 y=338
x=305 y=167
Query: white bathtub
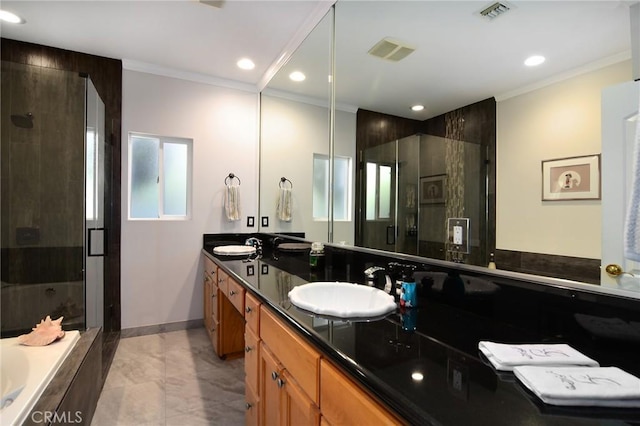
x=25 y=372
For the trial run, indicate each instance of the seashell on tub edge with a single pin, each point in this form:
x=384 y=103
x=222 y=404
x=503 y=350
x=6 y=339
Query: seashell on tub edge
x=47 y=331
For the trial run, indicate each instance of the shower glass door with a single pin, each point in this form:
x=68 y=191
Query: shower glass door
x=94 y=207
x=390 y=209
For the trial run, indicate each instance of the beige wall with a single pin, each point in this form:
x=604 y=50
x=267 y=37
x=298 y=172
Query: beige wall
x=557 y=121
x=161 y=271
x=292 y=131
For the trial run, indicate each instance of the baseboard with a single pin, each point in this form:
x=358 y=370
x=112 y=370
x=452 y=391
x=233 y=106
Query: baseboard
x=160 y=328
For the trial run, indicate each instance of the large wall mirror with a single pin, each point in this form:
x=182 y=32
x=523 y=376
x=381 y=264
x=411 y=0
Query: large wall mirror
x=474 y=151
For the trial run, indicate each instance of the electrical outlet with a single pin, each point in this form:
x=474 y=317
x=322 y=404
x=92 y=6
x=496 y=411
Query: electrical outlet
x=457 y=234
x=251 y=221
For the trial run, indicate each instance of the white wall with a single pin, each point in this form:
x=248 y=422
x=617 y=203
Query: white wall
x=161 y=266
x=292 y=132
x=558 y=121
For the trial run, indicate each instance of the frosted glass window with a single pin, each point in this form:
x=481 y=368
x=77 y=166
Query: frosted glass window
x=175 y=179
x=320 y=186
x=372 y=179
x=384 y=207
x=341 y=187
x=144 y=177
x=159 y=177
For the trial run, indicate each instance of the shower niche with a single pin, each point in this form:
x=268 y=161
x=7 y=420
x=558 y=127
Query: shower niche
x=52 y=197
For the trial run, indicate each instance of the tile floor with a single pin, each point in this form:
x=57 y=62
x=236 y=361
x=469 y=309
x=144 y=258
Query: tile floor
x=171 y=378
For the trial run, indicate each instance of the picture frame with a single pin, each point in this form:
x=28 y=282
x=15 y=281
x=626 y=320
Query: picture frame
x=572 y=178
x=433 y=189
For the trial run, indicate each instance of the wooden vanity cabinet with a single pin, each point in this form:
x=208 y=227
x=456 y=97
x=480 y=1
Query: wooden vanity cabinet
x=345 y=403
x=252 y=359
x=288 y=375
x=223 y=322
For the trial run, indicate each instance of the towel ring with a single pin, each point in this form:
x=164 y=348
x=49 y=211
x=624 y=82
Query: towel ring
x=283 y=181
x=231 y=177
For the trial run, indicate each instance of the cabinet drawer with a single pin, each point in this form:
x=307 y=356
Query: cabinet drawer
x=222 y=281
x=297 y=356
x=252 y=312
x=251 y=358
x=344 y=402
x=235 y=293
x=209 y=267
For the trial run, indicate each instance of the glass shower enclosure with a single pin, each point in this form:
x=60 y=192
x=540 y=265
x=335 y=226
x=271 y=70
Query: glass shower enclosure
x=411 y=186
x=52 y=199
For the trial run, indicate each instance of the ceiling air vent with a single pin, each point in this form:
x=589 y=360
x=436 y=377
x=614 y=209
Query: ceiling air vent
x=391 y=50
x=494 y=10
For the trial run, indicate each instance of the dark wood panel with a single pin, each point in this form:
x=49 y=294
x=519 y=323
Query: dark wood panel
x=106 y=75
x=548 y=265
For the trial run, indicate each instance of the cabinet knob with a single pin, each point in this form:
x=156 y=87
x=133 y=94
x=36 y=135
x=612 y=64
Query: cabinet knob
x=247 y=349
x=213 y=295
x=280 y=383
x=232 y=293
x=220 y=280
x=248 y=310
x=248 y=406
x=274 y=375
x=206 y=278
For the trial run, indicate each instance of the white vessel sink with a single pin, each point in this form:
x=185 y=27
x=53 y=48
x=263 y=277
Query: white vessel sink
x=342 y=300
x=234 y=250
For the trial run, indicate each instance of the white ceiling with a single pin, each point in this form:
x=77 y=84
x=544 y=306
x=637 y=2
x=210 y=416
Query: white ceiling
x=181 y=35
x=460 y=57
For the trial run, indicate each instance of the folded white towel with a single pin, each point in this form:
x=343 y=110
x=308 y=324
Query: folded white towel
x=584 y=386
x=506 y=356
x=232 y=202
x=283 y=205
x=632 y=222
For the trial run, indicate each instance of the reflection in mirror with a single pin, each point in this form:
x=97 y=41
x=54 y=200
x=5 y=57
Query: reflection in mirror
x=515 y=116
x=295 y=129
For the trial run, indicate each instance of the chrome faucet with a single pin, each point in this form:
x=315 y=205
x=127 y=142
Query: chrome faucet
x=254 y=242
x=378 y=276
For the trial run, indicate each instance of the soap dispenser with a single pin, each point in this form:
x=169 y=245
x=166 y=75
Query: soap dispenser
x=408 y=296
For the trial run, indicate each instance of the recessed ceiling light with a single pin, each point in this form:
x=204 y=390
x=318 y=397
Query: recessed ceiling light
x=417 y=376
x=297 y=76
x=11 y=17
x=417 y=107
x=534 y=60
x=246 y=64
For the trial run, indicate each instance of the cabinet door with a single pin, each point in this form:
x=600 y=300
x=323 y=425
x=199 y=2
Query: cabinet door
x=269 y=392
x=344 y=402
x=207 y=301
x=297 y=408
x=252 y=313
x=251 y=358
x=252 y=406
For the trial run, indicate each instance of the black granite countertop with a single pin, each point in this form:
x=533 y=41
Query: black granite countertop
x=439 y=339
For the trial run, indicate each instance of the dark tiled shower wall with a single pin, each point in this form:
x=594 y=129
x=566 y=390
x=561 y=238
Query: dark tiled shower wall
x=106 y=75
x=30 y=265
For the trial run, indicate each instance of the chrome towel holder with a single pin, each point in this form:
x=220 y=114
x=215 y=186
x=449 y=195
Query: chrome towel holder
x=283 y=182
x=230 y=178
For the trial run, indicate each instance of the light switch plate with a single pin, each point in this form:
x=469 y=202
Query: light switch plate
x=458 y=234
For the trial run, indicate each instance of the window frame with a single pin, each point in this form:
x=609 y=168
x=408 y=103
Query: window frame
x=162 y=140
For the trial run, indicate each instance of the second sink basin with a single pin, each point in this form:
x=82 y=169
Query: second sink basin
x=342 y=300
x=234 y=250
